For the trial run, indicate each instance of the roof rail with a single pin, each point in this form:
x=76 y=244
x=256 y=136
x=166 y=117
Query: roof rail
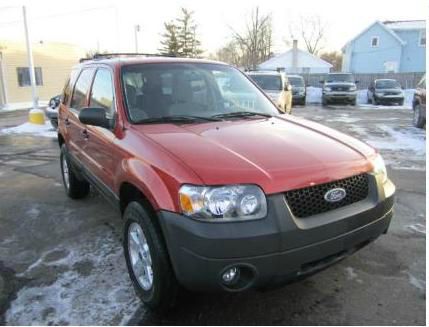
x=123 y=54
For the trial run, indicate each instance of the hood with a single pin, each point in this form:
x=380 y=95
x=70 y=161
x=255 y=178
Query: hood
x=278 y=154
x=395 y=91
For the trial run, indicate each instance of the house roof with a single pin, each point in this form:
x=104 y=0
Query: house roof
x=405 y=24
x=305 y=59
x=382 y=25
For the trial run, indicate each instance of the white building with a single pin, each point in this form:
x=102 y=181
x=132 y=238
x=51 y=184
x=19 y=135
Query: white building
x=297 y=61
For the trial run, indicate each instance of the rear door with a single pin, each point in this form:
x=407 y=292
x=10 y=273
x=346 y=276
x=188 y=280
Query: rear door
x=97 y=151
x=78 y=101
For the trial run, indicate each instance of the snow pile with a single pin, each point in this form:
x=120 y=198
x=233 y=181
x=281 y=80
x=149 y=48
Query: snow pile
x=314 y=95
x=45 y=130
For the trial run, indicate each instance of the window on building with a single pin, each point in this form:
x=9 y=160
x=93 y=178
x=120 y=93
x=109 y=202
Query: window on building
x=24 y=76
x=102 y=92
x=422 y=39
x=78 y=100
x=374 y=41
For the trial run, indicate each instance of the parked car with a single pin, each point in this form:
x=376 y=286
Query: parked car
x=419 y=104
x=298 y=89
x=276 y=85
x=52 y=110
x=339 y=87
x=215 y=197
x=385 y=91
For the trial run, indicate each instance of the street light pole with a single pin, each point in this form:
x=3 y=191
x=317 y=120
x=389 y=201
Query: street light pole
x=30 y=61
x=136 y=40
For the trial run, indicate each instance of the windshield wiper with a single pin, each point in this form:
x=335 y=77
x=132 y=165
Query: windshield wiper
x=176 y=119
x=241 y=114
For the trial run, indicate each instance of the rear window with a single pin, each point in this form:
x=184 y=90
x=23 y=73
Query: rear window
x=81 y=89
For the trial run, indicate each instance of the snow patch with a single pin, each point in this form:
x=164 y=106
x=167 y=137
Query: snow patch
x=417 y=228
x=45 y=130
x=350 y=273
x=93 y=288
x=417 y=283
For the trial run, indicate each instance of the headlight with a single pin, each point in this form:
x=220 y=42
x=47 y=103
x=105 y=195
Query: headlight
x=353 y=88
x=223 y=203
x=327 y=89
x=379 y=168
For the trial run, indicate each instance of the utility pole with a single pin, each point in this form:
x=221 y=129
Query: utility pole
x=30 y=61
x=136 y=31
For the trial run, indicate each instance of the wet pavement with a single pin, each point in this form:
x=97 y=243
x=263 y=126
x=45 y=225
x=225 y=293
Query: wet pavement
x=61 y=260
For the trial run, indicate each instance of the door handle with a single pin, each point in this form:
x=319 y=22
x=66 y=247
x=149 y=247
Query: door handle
x=67 y=122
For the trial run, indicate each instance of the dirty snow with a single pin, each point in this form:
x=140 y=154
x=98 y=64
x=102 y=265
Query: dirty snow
x=45 y=130
x=92 y=286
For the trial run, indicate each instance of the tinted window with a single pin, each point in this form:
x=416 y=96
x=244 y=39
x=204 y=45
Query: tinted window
x=68 y=87
x=102 y=92
x=268 y=82
x=81 y=88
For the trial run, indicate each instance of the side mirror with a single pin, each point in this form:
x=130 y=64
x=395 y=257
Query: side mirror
x=321 y=82
x=288 y=87
x=356 y=82
x=95 y=117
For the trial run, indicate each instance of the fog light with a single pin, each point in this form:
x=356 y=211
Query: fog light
x=231 y=275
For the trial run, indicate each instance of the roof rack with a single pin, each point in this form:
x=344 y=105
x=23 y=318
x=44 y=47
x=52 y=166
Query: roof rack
x=124 y=54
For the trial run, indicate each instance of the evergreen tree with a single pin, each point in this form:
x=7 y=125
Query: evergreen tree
x=180 y=37
x=170 y=43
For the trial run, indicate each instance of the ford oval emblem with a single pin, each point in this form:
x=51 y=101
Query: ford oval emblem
x=335 y=195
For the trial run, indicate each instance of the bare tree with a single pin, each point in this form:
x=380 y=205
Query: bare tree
x=312 y=31
x=335 y=58
x=255 y=43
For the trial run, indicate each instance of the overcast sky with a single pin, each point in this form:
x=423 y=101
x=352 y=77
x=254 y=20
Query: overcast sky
x=108 y=25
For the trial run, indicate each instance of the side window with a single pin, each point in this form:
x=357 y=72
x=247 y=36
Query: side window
x=102 y=95
x=422 y=39
x=81 y=88
x=68 y=87
x=374 y=41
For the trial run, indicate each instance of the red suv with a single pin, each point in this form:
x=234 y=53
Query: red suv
x=217 y=189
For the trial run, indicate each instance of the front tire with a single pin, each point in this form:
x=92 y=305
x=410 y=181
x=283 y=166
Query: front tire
x=147 y=259
x=418 y=120
x=74 y=187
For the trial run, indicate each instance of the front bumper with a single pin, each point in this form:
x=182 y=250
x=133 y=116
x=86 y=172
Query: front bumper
x=389 y=99
x=339 y=96
x=277 y=249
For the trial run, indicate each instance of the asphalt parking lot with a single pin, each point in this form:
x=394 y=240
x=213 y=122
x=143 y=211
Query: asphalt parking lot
x=61 y=260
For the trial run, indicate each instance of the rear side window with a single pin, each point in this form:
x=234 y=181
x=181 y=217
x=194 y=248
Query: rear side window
x=68 y=87
x=102 y=92
x=81 y=88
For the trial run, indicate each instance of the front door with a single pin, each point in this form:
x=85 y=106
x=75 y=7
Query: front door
x=97 y=153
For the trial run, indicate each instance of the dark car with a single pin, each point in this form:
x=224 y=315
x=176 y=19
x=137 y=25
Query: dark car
x=385 y=91
x=218 y=190
x=339 y=88
x=419 y=104
x=52 y=110
x=298 y=89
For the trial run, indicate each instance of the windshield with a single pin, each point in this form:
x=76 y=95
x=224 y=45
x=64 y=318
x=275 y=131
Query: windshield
x=387 y=84
x=340 y=78
x=268 y=82
x=296 y=81
x=193 y=90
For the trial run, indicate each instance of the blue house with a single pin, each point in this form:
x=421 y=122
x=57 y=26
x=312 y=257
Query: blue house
x=386 y=47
